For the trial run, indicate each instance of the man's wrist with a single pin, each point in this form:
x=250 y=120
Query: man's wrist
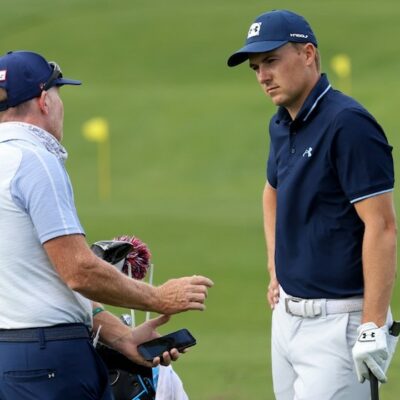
x=156 y=299
x=371 y=325
x=122 y=340
x=97 y=310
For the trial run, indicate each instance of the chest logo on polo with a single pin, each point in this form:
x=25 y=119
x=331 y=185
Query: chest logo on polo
x=308 y=152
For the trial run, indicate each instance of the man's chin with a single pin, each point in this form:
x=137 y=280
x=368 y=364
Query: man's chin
x=277 y=100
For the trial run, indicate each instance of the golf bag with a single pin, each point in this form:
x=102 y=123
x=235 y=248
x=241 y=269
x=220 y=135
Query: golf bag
x=129 y=381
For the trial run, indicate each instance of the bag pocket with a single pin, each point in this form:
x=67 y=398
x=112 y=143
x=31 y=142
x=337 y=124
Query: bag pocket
x=33 y=375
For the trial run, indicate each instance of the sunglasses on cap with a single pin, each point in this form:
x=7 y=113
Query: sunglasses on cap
x=56 y=74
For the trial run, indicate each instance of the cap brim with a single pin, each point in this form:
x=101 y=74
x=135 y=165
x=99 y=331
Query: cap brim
x=66 y=81
x=254 y=47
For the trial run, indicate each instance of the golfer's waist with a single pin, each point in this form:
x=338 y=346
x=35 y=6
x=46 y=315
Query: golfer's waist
x=48 y=333
x=309 y=308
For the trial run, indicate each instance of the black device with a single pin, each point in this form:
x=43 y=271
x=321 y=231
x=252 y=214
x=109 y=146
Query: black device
x=179 y=340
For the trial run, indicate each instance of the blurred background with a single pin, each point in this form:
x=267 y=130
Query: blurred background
x=183 y=167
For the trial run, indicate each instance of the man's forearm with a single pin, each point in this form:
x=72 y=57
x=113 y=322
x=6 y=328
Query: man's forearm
x=112 y=329
x=105 y=284
x=378 y=255
x=99 y=281
x=379 y=268
x=96 y=279
x=269 y=212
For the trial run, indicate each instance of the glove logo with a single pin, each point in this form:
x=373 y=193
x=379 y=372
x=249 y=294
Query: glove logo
x=367 y=336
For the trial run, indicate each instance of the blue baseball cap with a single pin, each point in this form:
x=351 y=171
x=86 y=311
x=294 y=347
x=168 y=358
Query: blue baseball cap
x=272 y=30
x=24 y=75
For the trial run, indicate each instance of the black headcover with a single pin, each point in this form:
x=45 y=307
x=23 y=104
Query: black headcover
x=111 y=251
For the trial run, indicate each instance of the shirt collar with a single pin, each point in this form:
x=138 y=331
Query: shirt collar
x=33 y=134
x=311 y=102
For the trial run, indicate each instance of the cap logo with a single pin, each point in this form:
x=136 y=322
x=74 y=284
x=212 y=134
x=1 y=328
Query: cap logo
x=299 y=35
x=3 y=74
x=254 y=30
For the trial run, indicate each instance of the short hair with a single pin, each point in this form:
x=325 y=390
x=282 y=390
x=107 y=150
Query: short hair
x=317 y=54
x=20 y=110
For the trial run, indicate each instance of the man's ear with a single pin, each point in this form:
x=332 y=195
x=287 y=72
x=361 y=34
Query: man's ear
x=43 y=101
x=309 y=51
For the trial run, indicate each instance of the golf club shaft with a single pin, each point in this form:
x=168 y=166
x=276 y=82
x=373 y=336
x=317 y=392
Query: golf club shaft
x=373 y=381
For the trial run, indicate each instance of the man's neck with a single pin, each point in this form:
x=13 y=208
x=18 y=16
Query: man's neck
x=295 y=108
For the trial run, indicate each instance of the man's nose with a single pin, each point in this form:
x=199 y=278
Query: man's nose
x=264 y=75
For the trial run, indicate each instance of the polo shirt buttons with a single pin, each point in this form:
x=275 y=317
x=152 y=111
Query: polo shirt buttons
x=292 y=144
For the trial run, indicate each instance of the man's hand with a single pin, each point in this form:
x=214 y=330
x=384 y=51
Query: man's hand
x=273 y=292
x=183 y=294
x=371 y=351
x=127 y=344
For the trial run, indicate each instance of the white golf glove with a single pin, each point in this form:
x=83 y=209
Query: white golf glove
x=371 y=351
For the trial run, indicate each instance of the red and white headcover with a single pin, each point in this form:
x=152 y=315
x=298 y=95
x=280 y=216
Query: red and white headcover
x=138 y=260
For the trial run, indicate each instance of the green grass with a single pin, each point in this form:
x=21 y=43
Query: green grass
x=188 y=147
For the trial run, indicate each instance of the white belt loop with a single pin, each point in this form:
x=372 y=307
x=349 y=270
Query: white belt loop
x=312 y=308
x=323 y=308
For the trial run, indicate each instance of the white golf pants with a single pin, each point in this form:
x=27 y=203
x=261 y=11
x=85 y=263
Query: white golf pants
x=311 y=357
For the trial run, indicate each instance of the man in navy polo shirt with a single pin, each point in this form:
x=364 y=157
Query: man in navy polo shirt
x=329 y=221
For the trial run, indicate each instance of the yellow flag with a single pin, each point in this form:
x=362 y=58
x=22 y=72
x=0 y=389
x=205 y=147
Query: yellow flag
x=96 y=129
x=341 y=65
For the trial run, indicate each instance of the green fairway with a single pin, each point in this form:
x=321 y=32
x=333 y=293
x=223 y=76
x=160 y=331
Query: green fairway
x=189 y=144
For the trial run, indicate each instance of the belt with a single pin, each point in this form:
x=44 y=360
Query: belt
x=310 y=308
x=56 y=332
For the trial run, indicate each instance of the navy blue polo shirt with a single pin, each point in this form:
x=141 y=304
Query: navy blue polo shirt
x=332 y=155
